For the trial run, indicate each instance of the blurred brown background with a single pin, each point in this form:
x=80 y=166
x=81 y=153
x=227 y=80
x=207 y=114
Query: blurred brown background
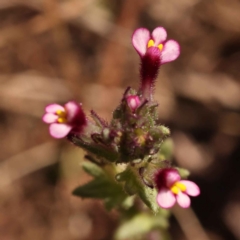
x=57 y=50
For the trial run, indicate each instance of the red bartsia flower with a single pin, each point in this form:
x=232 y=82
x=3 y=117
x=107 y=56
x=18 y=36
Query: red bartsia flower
x=143 y=41
x=154 y=50
x=172 y=189
x=64 y=119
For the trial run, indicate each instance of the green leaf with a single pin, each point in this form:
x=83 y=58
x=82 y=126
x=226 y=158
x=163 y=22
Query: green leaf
x=140 y=225
x=149 y=197
x=99 y=150
x=134 y=184
x=97 y=188
x=101 y=187
x=92 y=169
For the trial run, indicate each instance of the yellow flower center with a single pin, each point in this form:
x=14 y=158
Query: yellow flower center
x=152 y=44
x=62 y=116
x=177 y=187
x=160 y=46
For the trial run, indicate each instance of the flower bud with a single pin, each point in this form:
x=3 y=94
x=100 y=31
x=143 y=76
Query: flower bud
x=133 y=102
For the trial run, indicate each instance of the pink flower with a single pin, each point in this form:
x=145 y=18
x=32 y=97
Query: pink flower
x=143 y=41
x=133 y=102
x=64 y=119
x=171 y=189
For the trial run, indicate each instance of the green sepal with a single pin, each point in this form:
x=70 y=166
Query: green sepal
x=99 y=121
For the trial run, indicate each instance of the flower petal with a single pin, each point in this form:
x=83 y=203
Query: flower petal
x=59 y=130
x=72 y=109
x=166 y=198
x=170 y=52
x=172 y=176
x=140 y=40
x=192 y=188
x=159 y=35
x=52 y=108
x=49 y=118
x=75 y=115
x=183 y=200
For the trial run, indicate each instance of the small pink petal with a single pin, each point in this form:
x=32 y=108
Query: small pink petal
x=170 y=52
x=172 y=176
x=59 y=130
x=52 y=108
x=192 y=188
x=72 y=109
x=140 y=40
x=183 y=200
x=159 y=35
x=50 y=118
x=166 y=198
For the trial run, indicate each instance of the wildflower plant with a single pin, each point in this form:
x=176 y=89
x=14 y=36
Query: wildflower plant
x=129 y=156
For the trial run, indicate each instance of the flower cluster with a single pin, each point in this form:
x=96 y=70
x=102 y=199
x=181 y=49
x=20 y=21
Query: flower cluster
x=134 y=136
